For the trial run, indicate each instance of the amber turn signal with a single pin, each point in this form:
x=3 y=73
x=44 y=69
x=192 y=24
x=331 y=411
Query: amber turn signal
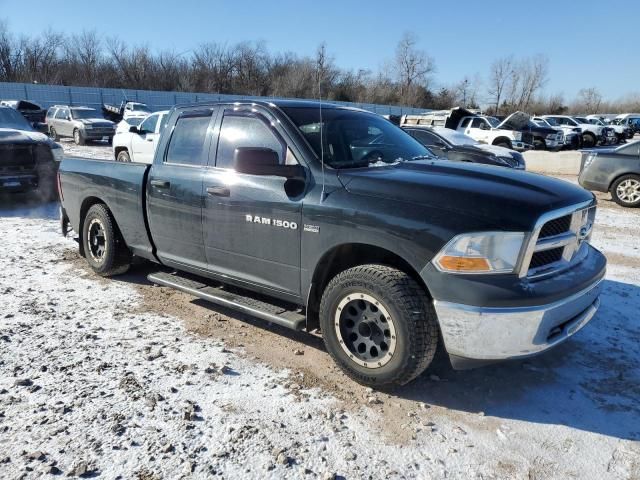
x=464 y=264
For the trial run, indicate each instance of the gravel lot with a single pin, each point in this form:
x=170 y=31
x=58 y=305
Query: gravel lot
x=121 y=379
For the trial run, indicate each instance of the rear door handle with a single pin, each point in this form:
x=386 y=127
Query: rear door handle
x=160 y=183
x=218 y=191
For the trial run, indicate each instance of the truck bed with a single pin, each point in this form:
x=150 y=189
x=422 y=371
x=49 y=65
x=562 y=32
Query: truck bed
x=121 y=186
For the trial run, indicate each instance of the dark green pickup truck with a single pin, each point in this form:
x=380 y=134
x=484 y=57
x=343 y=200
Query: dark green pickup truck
x=332 y=218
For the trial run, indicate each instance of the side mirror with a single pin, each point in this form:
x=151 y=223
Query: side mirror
x=264 y=161
x=134 y=129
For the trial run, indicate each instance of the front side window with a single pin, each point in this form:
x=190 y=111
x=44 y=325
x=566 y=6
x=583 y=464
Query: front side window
x=62 y=114
x=187 y=143
x=149 y=124
x=477 y=123
x=353 y=139
x=245 y=131
x=465 y=123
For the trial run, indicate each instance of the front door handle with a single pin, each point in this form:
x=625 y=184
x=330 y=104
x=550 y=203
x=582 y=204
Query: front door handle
x=160 y=183
x=219 y=191
x=149 y=139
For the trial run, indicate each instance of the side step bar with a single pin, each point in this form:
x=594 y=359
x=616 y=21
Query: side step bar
x=266 y=311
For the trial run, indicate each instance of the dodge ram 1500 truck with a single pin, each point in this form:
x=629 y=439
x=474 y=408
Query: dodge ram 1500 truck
x=334 y=219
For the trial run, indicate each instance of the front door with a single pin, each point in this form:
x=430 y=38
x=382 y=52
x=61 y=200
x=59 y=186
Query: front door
x=174 y=192
x=143 y=144
x=252 y=223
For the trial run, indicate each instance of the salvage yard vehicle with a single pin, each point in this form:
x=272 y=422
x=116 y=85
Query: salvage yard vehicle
x=631 y=120
x=79 y=123
x=592 y=135
x=621 y=132
x=507 y=134
x=29 y=160
x=456 y=146
x=335 y=219
x=138 y=142
x=572 y=136
x=125 y=110
x=33 y=112
x=613 y=170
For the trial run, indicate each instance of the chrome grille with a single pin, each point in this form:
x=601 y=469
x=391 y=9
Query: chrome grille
x=557 y=241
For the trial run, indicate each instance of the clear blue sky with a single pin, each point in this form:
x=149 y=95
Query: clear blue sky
x=589 y=43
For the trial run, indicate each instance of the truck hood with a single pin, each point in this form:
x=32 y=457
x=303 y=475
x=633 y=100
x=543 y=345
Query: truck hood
x=494 y=149
x=516 y=121
x=97 y=122
x=506 y=199
x=10 y=135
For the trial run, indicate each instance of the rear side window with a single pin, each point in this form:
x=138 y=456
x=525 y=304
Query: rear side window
x=187 y=143
x=426 y=138
x=51 y=112
x=62 y=113
x=245 y=131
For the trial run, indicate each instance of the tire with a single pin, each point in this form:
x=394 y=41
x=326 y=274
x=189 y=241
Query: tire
x=391 y=299
x=625 y=191
x=589 y=140
x=123 y=156
x=504 y=143
x=540 y=145
x=110 y=141
x=104 y=247
x=78 y=138
x=53 y=135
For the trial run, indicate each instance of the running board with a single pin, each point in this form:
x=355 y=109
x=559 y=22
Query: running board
x=266 y=311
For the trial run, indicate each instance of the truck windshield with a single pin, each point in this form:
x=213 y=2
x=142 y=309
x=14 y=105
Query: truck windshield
x=493 y=121
x=80 y=113
x=353 y=139
x=139 y=107
x=10 y=118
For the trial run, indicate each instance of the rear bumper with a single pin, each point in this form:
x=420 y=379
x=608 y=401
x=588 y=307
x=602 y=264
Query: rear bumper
x=489 y=334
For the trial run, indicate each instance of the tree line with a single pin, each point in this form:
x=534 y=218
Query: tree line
x=249 y=68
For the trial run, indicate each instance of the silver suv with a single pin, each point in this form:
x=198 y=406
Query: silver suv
x=80 y=123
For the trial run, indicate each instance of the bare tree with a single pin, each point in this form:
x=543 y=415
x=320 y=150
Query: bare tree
x=500 y=74
x=590 y=99
x=413 y=68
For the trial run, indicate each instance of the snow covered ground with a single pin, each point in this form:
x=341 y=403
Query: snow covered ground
x=120 y=379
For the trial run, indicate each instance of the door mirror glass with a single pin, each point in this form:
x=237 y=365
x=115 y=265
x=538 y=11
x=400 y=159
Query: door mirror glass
x=263 y=161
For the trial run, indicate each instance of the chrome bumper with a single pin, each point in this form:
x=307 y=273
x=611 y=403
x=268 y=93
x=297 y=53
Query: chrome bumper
x=484 y=333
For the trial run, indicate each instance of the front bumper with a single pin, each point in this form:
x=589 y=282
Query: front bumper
x=485 y=319
x=98 y=133
x=521 y=146
x=482 y=333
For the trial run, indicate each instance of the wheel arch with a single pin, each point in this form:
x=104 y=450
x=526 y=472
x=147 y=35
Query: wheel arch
x=347 y=255
x=120 y=148
x=502 y=139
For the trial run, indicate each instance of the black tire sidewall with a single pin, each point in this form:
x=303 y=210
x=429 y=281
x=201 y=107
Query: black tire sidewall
x=101 y=213
x=590 y=139
x=387 y=374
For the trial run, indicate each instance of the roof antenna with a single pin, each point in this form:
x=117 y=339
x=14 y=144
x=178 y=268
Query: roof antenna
x=320 y=63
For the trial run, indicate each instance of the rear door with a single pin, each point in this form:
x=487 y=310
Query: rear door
x=252 y=223
x=174 y=191
x=62 y=122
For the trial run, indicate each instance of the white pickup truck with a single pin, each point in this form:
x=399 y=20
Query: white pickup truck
x=592 y=135
x=483 y=129
x=138 y=143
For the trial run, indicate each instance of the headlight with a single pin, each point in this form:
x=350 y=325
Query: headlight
x=552 y=136
x=57 y=152
x=88 y=126
x=487 y=252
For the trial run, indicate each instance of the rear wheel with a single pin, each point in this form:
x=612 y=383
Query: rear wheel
x=626 y=191
x=104 y=247
x=78 y=138
x=378 y=325
x=53 y=135
x=123 y=156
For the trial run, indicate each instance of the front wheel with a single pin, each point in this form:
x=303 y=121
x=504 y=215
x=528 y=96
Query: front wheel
x=78 y=138
x=123 y=156
x=626 y=191
x=378 y=325
x=504 y=144
x=104 y=247
x=589 y=140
